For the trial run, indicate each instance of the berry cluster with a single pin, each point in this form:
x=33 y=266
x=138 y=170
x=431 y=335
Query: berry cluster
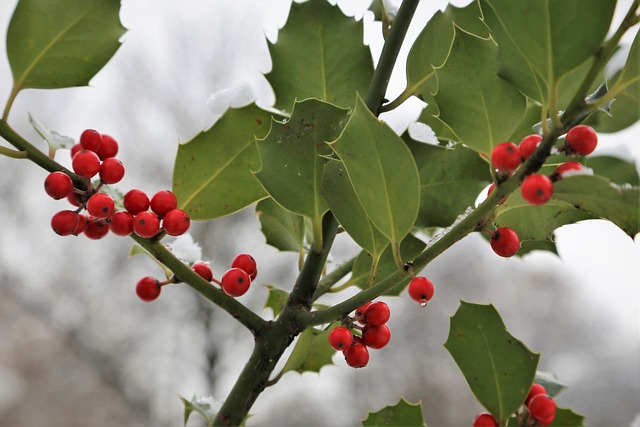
x=235 y=281
x=536 y=188
x=95 y=155
x=373 y=334
x=540 y=410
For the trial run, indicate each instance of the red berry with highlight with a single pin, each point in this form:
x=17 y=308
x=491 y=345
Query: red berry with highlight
x=146 y=224
x=96 y=229
x=86 y=163
x=567 y=168
x=505 y=157
x=121 y=223
x=247 y=263
x=176 y=222
x=536 y=389
x=421 y=289
x=91 y=140
x=528 y=145
x=148 y=288
x=203 y=270
x=542 y=407
x=111 y=171
x=505 y=242
x=58 y=185
x=135 y=201
x=376 y=336
x=65 y=223
x=537 y=189
x=235 y=282
x=108 y=148
x=357 y=355
x=340 y=338
x=162 y=202
x=485 y=420
x=377 y=313
x=100 y=205
x=581 y=140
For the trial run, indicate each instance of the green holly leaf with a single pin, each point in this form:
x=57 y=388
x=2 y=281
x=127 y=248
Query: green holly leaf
x=430 y=117
x=497 y=366
x=478 y=106
x=212 y=174
x=598 y=197
x=382 y=172
x=293 y=157
x=62 y=43
x=617 y=170
x=283 y=229
x=311 y=352
x=567 y=418
x=431 y=48
x=346 y=207
x=629 y=78
x=401 y=414
x=319 y=54
x=552 y=385
x=450 y=181
x=205 y=406
x=276 y=299
x=568 y=33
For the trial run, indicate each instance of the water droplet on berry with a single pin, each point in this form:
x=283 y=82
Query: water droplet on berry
x=422 y=302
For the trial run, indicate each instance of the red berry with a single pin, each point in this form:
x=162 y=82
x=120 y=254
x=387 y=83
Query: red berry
x=357 y=355
x=485 y=420
x=91 y=140
x=247 y=263
x=58 y=185
x=135 y=201
x=111 y=171
x=567 y=168
x=340 y=338
x=581 y=140
x=163 y=201
x=528 y=145
x=86 y=163
x=377 y=313
x=82 y=225
x=376 y=336
x=148 y=289
x=96 y=229
x=146 y=224
x=542 y=407
x=108 y=148
x=505 y=242
x=74 y=150
x=537 y=189
x=506 y=157
x=121 y=223
x=235 y=282
x=203 y=270
x=75 y=199
x=65 y=223
x=421 y=289
x=536 y=389
x=176 y=222
x=100 y=205
x=546 y=421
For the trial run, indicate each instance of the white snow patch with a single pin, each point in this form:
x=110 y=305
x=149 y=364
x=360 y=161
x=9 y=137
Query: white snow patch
x=236 y=96
x=422 y=132
x=186 y=249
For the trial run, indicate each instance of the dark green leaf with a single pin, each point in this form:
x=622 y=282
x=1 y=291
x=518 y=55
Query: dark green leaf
x=382 y=172
x=62 y=43
x=403 y=414
x=498 y=367
x=480 y=108
x=429 y=116
x=567 y=418
x=276 y=299
x=450 y=181
x=283 y=229
x=293 y=156
x=319 y=54
x=600 y=198
x=346 y=207
x=617 y=170
x=212 y=175
x=311 y=352
x=567 y=33
x=552 y=385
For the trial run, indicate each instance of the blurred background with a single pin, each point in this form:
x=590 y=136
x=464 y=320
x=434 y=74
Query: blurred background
x=78 y=348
